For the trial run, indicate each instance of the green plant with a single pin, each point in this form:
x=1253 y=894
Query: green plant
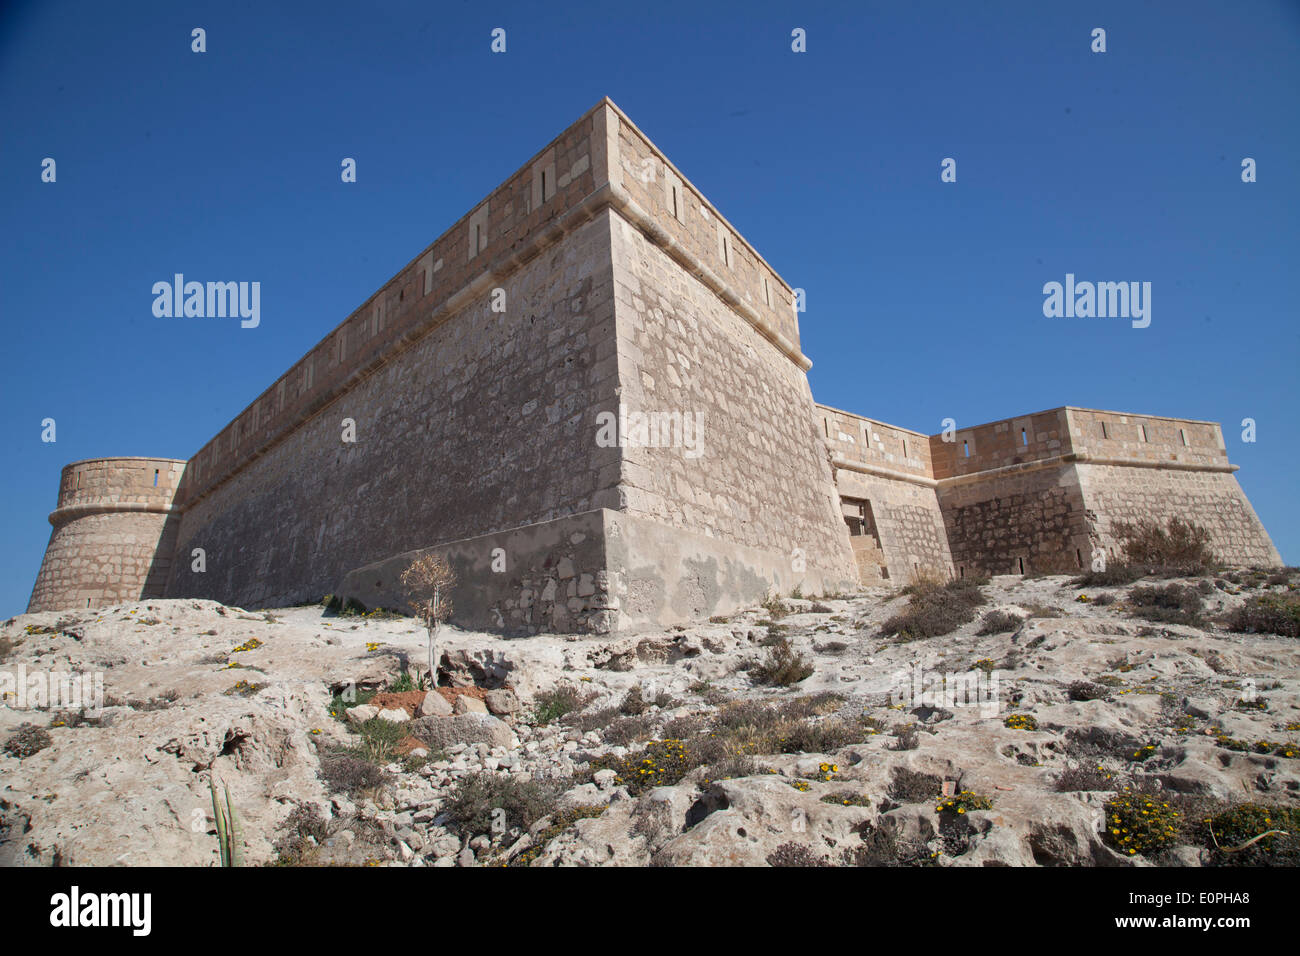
x=230 y=831
x=560 y=821
x=403 y=683
x=1250 y=834
x=344 y=699
x=1142 y=753
x=553 y=704
x=1138 y=822
x=380 y=739
x=1020 y=722
x=847 y=798
x=963 y=801
x=243 y=688
x=660 y=763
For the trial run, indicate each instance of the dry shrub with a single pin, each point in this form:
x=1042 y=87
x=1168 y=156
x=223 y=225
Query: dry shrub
x=1171 y=604
x=999 y=622
x=936 y=609
x=1177 y=545
x=1267 y=614
x=782 y=666
x=908 y=786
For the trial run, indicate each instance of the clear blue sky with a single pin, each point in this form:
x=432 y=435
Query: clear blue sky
x=924 y=298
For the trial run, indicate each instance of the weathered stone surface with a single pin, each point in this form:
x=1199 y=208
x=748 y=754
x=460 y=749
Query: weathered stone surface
x=469 y=705
x=442 y=732
x=433 y=705
x=502 y=702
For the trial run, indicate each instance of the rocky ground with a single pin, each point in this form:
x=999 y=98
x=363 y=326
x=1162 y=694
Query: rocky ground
x=660 y=748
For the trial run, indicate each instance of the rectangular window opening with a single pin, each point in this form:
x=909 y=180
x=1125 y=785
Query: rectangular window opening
x=904 y=447
x=1182 y=433
x=1078 y=558
x=965 y=447
x=1144 y=433
x=1022 y=564
x=155 y=477
x=1104 y=432
x=1024 y=438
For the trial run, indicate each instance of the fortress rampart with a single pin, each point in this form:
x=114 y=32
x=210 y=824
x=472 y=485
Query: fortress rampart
x=597 y=284
x=1037 y=493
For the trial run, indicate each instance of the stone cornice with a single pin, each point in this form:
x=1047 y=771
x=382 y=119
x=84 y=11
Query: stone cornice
x=839 y=461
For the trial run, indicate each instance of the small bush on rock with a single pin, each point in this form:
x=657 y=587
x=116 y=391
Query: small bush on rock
x=1267 y=614
x=28 y=739
x=999 y=622
x=936 y=609
x=1087 y=690
x=553 y=704
x=1171 y=604
x=475 y=799
x=1177 y=546
x=909 y=786
x=1250 y=834
x=794 y=854
x=1140 y=823
x=350 y=775
x=782 y=666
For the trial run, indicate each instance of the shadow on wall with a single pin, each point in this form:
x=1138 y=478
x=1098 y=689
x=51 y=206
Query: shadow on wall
x=160 y=568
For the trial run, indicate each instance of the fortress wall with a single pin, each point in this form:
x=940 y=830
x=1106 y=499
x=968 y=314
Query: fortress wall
x=1212 y=499
x=113 y=533
x=889 y=468
x=909 y=528
x=1146 y=438
x=490 y=240
x=684 y=219
x=1020 y=521
x=856 y=440
x=1002 y=444
x=483 y=425
x=762 y=480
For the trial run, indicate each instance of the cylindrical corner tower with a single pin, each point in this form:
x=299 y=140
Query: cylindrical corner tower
x=114 y=533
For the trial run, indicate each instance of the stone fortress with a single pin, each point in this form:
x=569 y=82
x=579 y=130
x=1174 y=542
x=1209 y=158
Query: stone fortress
x=598 y=284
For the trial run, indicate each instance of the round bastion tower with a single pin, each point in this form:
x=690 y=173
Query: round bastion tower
x=114 y=533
